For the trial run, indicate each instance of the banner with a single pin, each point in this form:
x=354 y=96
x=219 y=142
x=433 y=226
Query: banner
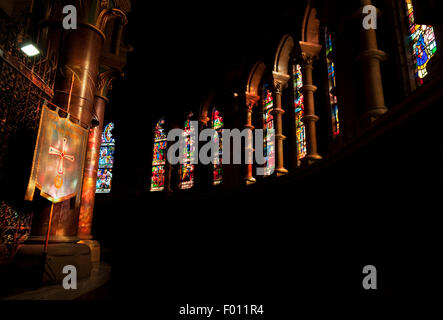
x=57 y=168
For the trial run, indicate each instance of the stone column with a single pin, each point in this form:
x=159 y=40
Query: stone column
x=280 y=83
x=370 y=58
x=89 y=180
x=309 y=53
x=79 y=60
x=251 y=101
x=90 y=171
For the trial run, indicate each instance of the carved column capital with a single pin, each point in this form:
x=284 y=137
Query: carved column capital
x=307 y=59
x=251 y=100
x=309 y=52
x=280 y=81
x=204 y=119
x=104 y=81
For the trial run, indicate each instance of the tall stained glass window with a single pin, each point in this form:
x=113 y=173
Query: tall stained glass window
x=217 y=125
x=187 y=168
x=299 y=111
x=331 y=84
x=268 y=126
x=105 y=161
x=422 y=42
x=159 y=157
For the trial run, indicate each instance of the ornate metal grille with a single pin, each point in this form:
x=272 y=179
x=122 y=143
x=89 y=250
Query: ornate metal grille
x=24 y=84
x=15 y=227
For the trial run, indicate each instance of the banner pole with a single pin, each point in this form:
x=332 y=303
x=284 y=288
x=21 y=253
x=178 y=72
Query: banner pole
x=45 y=249
x=70 y=92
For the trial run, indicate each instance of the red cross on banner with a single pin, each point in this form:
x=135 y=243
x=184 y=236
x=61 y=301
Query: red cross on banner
x=58 y=158
x=62 y=155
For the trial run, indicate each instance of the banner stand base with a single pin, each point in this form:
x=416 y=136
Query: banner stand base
x=30 y=260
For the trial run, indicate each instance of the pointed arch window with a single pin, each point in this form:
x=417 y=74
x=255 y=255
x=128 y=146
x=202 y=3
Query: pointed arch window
x=187 y=168
x=268 y=126
x=159 y=157
x=299 y=109
x=106 y=160
x=331 y=84
x=217 y=125
x=422 y=43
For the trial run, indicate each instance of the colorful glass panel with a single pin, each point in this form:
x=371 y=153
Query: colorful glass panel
x=217 y=125
x=332 y=85
x=299 y=111
x=268 y=126
x=105 y=160
x=422 y=42
x=159 y=157
x=187 y=168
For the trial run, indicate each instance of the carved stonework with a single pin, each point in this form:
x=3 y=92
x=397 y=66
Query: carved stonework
x=204 y=119
x=280 y=81
x=307 y=59
x=124 y=5
x=309 y=52
x=251 y=100
x=104 y=4
x=104 y=80
x=109 y=14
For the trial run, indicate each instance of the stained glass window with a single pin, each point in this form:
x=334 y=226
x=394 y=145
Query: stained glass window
x=268 y=126
x=299 y=111
x=187 y=168
x=422 y=42
x=159 y=157
x=217 y=125
x=105 y=161
x=331 y=84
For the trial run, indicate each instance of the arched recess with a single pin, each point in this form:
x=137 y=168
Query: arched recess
x=252 y=98
x=281 y=78
x=310 y=48
x=254 y=79
x=284 y=50
x=205 y=109
x=310 y=31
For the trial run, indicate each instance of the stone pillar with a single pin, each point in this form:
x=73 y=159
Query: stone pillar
x=80 y=53
x=251 y=101
x=370 y=58
x=280 y=83
x=90 y=171
x=309 y=53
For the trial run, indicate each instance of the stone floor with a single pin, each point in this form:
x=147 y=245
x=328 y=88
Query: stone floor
x=87 y=288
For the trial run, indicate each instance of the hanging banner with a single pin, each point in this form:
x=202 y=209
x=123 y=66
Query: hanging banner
x=57 y=168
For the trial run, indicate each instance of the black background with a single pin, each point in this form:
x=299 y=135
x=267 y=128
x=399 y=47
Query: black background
x=296 y=245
